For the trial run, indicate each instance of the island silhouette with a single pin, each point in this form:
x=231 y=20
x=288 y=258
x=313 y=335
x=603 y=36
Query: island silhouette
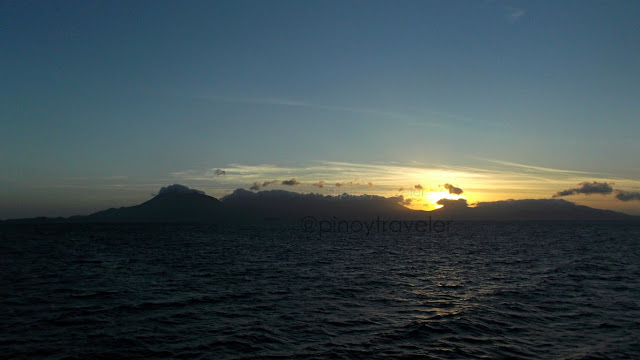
x=180 y=204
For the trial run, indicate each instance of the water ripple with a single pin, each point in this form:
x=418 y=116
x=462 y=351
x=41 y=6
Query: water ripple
x=528 y=291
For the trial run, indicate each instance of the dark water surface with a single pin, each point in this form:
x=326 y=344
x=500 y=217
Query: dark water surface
x=497 y=290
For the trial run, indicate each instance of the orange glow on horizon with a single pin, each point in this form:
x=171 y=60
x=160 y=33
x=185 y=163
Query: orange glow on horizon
x=428 y=200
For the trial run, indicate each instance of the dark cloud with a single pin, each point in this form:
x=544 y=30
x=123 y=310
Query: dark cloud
x=272 y=182
x=257 y=186
x=370 y=184
x=453 y=204
x=319 y=184
x=623 y=195
x=220 y=172
x=419 y=187
x=587 y=188
x=564 y=193
x=349 y=184
x=404 y=201
x=178 y=189
x=452 y=189
x=292 y=182
x=401 y=189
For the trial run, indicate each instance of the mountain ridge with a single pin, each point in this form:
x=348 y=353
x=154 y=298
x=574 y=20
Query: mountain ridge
x=180 y=204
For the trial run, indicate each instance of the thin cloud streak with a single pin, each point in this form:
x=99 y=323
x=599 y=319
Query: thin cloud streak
x=255 y=101
x=411 y=119
x=97 y=178
x=532 y=167
x=515 y=14
x=419 y=118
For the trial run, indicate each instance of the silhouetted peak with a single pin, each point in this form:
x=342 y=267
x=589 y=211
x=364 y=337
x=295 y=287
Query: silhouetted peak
x=239 y=194
x=177 y=189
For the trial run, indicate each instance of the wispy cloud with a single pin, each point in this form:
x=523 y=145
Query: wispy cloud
x=410 y=119
x=255 y=100
x=414 y=117
x=533 y=167
x=515 y=14
x=96 y=178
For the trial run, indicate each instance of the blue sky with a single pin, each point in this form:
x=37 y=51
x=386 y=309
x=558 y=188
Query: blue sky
x=104 y=102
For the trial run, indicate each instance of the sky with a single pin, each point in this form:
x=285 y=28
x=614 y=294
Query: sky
x=104 y=102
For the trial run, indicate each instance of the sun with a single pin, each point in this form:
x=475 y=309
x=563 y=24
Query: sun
x=431 y=198
x=428 y=200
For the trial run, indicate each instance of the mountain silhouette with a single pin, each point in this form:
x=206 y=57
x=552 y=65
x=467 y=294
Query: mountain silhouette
x=180 y=204
x=281 y=205
x=523 y=210
x=175 y=203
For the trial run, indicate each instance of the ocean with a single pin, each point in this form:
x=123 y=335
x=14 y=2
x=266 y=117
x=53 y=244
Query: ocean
x=477 y=291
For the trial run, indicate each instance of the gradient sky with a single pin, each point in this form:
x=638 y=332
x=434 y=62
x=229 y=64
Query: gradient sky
x=102 y=103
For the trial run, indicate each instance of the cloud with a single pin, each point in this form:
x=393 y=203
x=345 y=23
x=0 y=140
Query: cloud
x=257 y=186
x=418 y=187
x=220 y=172
x=310 y=105
x=178 y=189
x=534 y=168
x=83 y=178
x=370 y=184
x=319 y=184
x=272 y=182
x=404 y=201
x=350 y=184
x=453 y=204
x=291 y=182
x=515 y=14
x=623 y=195
x=452 y=189
x=587 y=188
x=258 y=101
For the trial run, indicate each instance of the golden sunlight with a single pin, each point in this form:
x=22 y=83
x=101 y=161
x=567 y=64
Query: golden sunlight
x=427 y=200
x=432 y=197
